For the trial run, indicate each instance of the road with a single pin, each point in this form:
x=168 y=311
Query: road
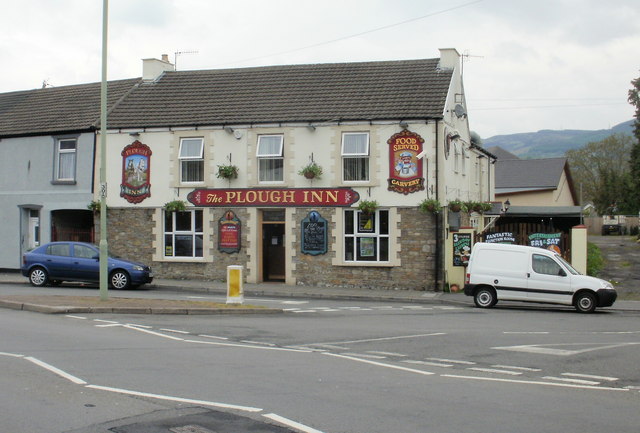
x=323 y=366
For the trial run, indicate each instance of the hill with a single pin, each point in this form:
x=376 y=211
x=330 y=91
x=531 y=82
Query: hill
x=552 y=144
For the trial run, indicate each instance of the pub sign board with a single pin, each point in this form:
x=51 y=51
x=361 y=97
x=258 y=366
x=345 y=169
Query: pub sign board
x=136 y=172
x=273 y=197
x=314 y=234
x=405 y=168
x=549 y=241
x=461 y=249
x=229 y=231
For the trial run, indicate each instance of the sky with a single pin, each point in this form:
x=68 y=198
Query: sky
x=528 y=65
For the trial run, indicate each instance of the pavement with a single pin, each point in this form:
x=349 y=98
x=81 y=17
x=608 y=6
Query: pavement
x=119 y=302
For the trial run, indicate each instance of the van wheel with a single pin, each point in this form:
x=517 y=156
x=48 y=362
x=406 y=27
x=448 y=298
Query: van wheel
x=485 y=298
x=585 y=302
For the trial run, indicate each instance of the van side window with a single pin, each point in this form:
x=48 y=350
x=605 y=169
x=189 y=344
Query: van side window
x=545 y=265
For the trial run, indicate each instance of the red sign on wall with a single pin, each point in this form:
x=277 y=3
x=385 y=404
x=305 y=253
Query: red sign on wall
x=274 y=197
x=405 y=169
x=136 y=172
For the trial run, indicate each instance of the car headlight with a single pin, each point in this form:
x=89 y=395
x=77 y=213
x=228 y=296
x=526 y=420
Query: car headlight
x=138 y=268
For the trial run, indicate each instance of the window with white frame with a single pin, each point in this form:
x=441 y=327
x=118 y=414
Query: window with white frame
x=270 y=155
x=191 y=156
x=355 y=156
x=65 y=169
x=366 y=236
x=183 y=235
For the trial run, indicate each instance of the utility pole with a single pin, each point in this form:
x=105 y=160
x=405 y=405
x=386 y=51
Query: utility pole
x=104 y=250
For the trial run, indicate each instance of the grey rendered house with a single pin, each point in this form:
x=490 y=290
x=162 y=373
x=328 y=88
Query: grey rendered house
x=47 y=154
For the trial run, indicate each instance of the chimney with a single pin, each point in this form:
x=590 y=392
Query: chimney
x=449 y=58
x=152 y=69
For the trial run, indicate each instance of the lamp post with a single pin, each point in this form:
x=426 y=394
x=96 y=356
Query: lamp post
x=104 y=250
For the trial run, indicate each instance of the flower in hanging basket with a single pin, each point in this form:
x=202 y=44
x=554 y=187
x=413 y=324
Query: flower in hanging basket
x=368 y=206
x=94 y=206
x=175 y=206
x=311 y=171
x=227 y=172
x=429 y=205
x=455 y=205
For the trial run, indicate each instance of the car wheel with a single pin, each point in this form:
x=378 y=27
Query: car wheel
x=120 y=280
x=485 y=298
x=585 y=302
x=38 y=277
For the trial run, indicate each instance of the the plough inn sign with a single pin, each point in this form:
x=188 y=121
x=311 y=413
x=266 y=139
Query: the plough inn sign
x=274 y=197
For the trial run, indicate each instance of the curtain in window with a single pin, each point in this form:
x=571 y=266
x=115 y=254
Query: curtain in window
x=66 y=165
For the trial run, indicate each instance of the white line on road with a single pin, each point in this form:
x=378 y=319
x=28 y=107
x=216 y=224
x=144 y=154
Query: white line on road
x=495 y=370
x=13 y=355
x=176 y=399
x=578 y=381
x=104 y=321
x=364 y=355
x=452 y=361
x=174 y=330
x=432 y=364
x=513 y=367
x=526 y=332
x=541 y=349
x=375 y=352
x=157 y=334
x=56 y=370
x=258 y=342
x=71 y=316
x=212 y=336
x=247 y=346
x=533 y=382
x=399 y=337
x=591 y=376
x=109 y=325
x=296 y=425
x=379 y=364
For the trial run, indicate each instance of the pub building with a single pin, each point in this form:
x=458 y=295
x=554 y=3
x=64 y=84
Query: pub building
x=304 y=174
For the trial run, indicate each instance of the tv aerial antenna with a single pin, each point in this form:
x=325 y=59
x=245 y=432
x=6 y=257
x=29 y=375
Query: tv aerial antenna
x=466 y=56
x=179 y=53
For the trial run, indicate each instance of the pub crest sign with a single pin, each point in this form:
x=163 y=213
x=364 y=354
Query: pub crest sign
x=405 y=168
x=136 y=172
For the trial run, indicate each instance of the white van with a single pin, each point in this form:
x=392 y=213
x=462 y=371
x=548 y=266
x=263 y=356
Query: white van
x=499 y=272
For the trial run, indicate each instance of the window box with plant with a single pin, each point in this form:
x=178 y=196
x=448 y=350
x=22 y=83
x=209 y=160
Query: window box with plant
x=311 y=171
x=429 y=205
x=455 y=205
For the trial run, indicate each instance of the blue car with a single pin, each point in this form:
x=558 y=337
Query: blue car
x=56 y=262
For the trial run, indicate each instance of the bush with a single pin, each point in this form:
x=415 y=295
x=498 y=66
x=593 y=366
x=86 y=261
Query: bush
x=595 y=262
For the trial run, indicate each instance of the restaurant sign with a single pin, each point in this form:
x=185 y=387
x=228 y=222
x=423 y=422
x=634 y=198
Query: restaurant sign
x=405 y=168
x=136 y=172
x=273 y=197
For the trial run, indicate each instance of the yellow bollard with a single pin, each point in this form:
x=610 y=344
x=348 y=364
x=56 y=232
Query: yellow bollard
x=235 y=294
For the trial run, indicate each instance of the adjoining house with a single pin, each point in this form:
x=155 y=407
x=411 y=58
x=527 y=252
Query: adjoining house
x=47 y=150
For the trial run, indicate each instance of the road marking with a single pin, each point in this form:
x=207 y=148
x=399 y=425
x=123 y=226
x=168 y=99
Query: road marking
x=400 y=337
x=109 y=325
x=247 y=346
x=257 y=342
x=104 y=321
x=495 y=370
x=295 y=302
x=363 y=355
x=329 y=346
x=56 y=370
x=176 y=399
x=513 y=367
x=453 y=361
x=13 y=355
x=432 y=364
x=212 y=336
x=376 y=352
x=526 y=332
x=71 y=316
x=379 y=364
x=539 y=349
x=579 y=381
x=590 y=376
x=296 y=425
x=157 y=334
x=140 y=326
x=533 y=382
x=174 y=330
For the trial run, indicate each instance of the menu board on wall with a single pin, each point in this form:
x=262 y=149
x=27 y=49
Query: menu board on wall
x=314 y=234
x=461 y=248
x=229 y=229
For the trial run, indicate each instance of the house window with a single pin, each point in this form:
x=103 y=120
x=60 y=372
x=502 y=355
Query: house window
x=191 y=160
x=270 y=158
x=366 y=236
x=66 y=160
x=183 y=236
x=355 y=156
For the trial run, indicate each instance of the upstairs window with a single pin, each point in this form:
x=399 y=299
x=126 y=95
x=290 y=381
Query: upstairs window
x=270 y=158
x=191 y=160
x=66 y=160
x=355 y=156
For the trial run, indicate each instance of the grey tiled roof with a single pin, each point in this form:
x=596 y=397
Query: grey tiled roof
x=56 y=109
x=410 y=89
x=501 y=154
x=529 y=173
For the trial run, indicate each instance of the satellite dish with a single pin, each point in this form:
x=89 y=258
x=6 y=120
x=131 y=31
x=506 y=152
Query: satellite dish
x=237 y=133
x=459 y=111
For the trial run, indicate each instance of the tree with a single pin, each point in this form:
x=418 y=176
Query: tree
x=596 y=165
x=634 y=159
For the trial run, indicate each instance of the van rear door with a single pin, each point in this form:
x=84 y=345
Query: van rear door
x=548 y=281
